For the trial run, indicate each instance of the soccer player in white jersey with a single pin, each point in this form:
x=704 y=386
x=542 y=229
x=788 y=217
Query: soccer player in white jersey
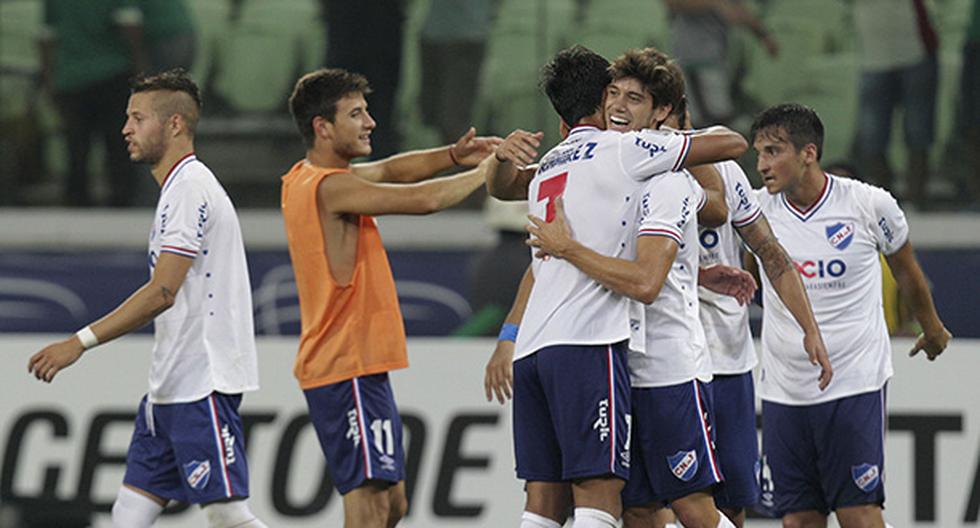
x=729 y=339
x=673 y=456
x=823 y=450
x=571 y=385
x=188 y=444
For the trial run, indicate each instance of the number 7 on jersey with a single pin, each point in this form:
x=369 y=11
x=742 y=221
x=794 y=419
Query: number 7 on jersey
x=549 y=191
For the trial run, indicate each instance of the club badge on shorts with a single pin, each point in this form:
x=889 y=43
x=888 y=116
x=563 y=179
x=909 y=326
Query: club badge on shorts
x=866 y=476
x=198 y=473
x=683 y=464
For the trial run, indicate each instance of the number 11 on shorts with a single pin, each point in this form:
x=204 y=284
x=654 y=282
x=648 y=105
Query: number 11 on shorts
x=384 y=443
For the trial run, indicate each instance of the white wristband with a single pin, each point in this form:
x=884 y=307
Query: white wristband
x=87 y=337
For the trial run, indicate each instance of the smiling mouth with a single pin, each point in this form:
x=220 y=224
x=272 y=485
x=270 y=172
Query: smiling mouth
x=618 y=121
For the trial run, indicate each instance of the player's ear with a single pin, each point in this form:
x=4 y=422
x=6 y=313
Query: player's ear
x=660 y=114
x=322 y=128
x=810 y=153
x=563 y=128
x=175 y=123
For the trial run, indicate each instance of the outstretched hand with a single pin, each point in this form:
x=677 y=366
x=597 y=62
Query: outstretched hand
x=728 y=280
x=552 y=238
x=499 y=376
x=932 y=345
x=470 y=149
x=54 y=358
x=520 y=147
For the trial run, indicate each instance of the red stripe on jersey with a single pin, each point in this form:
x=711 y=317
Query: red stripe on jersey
x=173 y=168
x=675 y=236
x=178 y=249
x=752 y=218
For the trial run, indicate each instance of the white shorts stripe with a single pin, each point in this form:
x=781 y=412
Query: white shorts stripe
x=612 y=410
x=219 y=445
x=704 y=433
x=360 y=424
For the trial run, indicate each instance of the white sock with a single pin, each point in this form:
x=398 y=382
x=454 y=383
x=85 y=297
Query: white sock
x=593 y=518
x=134 y=510
x=234 y=514
x=725 y=522
x=533 y=520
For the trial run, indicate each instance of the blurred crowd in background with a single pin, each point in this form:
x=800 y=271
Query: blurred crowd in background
x=895 y=81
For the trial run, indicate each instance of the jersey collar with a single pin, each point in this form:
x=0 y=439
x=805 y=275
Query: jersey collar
x=806 y=214
x=583 y=128
x=181 y=163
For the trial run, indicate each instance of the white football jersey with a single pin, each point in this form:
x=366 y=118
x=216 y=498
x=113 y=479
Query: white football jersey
x=725 y=322
x=835 y=245
x=598 y=174
x=205 y=341
x=670 y=347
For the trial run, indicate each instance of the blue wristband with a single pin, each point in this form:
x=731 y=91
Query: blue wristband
x=508 y=332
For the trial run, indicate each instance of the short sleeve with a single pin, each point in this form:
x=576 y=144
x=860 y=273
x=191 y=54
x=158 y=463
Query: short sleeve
x=184 y=220
x=647 y=153
x=667 y=205
x=743 y=206
x=891 y=230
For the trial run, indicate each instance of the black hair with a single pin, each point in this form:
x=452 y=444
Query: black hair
x=575 y=81
x=176 y=80
x=800 y=123
x=316 y=95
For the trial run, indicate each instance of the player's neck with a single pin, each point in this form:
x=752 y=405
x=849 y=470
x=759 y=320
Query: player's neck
x=174 y=154
x=597 y=120
x=809 y=189
x=327 y=158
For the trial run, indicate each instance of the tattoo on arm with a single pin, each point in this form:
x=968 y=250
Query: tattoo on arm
x=774 y=259
x=758 y=236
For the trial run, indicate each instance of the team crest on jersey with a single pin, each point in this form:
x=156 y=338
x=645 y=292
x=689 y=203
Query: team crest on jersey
x=198 y=473
x=866 y=476
x=840 y=235
x=683 y=464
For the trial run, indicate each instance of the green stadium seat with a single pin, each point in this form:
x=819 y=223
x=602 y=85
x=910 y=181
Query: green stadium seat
x=612 y=26
x=518 y=46
x=211 y=21
x=20 y=25
x=259 y=57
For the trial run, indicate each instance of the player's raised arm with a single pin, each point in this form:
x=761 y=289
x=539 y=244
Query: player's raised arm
x=717 y=143
x=511 y=170
x=346 y=193
x=498 y=379
x=714 y=213
x=468 y=151
x=781 y=272
x=152 y=299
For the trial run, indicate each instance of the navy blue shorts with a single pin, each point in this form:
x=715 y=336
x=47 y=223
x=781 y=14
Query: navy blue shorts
x=571 y=413
x=189 y=452
x=823 y=457
x=736 y=440
x=673 y=450
x=359 y=429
